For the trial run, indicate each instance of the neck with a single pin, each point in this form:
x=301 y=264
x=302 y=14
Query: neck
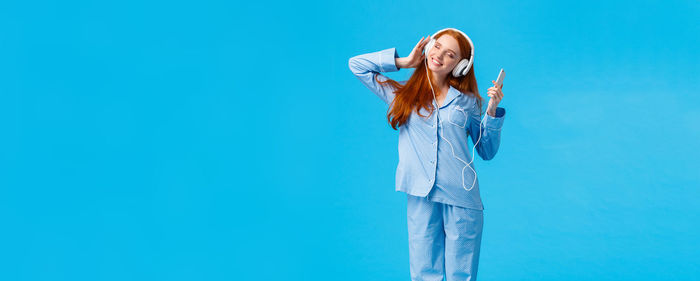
x=439 y=82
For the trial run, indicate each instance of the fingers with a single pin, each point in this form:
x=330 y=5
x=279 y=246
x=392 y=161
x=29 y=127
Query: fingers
x=495 y=97
x=419 y=43
x=417 y=52
x=494 y=83
x=498 y=95
x=495 y=93
x=499 y=88
x=423 y=40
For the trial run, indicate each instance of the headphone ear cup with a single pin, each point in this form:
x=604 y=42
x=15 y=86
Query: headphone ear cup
x=468 y=67
x=428 y=46
x=459 y=70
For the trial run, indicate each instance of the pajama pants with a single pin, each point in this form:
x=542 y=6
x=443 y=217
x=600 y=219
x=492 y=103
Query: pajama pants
x=443 y=240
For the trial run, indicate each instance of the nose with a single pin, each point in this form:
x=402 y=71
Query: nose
x=440 y=54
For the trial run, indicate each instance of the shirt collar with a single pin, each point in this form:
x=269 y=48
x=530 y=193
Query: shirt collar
x=452 y=93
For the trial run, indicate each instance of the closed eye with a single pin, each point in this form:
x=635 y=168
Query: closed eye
x=450 y=55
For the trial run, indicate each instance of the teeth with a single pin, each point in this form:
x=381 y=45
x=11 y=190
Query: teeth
x=436 y=62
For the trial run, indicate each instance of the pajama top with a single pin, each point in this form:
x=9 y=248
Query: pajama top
x=433 y=156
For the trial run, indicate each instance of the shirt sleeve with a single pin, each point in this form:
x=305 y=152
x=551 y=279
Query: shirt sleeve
x=366 y=66
x=490 y=130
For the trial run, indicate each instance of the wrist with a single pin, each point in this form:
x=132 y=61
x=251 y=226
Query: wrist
x=400 y=62
x=491 y=112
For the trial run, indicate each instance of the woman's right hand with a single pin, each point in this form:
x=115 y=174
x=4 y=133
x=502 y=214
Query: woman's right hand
x=416 y=56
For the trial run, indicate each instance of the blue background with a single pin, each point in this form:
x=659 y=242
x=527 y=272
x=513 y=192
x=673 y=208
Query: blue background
x=219 y=140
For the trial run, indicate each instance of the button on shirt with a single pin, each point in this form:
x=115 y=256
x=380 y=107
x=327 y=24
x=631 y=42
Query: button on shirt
x=431 y=153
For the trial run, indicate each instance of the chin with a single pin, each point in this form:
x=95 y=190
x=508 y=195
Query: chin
x=438 y=72
x=433 y=68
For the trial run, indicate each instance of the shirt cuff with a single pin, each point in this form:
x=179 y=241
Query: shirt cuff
x=387 y=60
x=495 y=123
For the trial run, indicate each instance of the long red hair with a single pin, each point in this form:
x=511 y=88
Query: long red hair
x=416 y=93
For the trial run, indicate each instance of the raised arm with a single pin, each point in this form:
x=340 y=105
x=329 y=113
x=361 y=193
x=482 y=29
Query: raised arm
x=366 y=66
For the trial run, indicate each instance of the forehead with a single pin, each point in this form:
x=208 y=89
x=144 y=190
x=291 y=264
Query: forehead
x=449 y=42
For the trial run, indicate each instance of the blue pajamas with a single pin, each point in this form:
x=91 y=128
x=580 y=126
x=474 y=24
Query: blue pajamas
x=433 y=152
x=444 y=240
x=445 y=212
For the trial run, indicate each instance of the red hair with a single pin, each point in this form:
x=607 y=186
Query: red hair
x=416 y=93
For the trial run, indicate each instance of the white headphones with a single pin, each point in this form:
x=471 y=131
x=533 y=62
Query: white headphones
x=465 y=64
x=460 y=70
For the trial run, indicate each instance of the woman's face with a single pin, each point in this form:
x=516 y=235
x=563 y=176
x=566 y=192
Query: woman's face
x=444 y=55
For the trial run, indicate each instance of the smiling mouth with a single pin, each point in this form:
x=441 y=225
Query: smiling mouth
x=435 y=62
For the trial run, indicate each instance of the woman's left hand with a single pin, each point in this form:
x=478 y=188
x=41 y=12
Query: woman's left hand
x=496 y=94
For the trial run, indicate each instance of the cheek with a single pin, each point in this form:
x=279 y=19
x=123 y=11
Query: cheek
x=432 y=52
x=452 y=63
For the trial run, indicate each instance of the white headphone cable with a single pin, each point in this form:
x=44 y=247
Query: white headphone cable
x=442 y=135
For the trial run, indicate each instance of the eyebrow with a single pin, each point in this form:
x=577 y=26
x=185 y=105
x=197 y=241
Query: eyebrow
x=447 y=48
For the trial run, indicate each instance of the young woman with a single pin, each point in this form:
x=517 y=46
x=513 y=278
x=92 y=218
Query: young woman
x=435 y=111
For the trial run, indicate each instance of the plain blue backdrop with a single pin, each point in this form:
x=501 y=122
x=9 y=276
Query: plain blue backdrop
x=225 y=140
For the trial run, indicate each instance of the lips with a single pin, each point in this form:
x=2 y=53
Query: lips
x=435 y=62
